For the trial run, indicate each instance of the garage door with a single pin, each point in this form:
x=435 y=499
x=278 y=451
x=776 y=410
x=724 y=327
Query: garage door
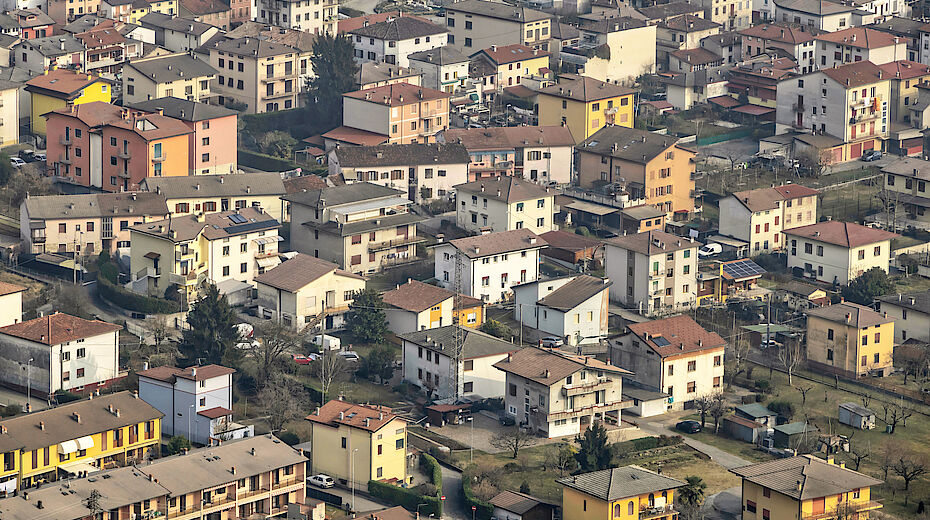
x=855 y=151
x=868 y=145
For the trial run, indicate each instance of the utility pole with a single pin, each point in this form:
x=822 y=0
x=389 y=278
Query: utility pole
x=458 y=335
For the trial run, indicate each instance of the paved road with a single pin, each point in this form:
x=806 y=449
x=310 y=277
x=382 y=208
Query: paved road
x=663 y=426
x=366 y=6
x=361 y=503
x=454 y=506
x=726 y=505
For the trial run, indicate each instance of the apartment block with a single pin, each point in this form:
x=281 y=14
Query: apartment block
x=504 y=204
x=635 y=55
x=911 y=312
x=217 y=193
x=478 y=24
x=262 y=74
x=585 y=105
x=851 y=340
x=394 y=39
x=170 y=75
x=402 y=113
x=316 y=17
x=837 y=252
x=60 y=88
x=758 y=217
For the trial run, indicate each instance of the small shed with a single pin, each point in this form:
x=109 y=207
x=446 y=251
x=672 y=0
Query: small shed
x=857 y=416
x=646 y=403
x=443 y=414
x=757 y=413
x=511 y=505
x=790 y=435
x=744 y=429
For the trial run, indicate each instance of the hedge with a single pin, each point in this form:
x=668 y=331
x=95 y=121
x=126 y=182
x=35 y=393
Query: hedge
x=263 y=162
x=408 y=498
x=134 y=302
x=431 y=468
x=483 y=510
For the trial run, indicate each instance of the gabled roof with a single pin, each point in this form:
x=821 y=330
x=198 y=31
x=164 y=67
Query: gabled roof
x=496 y=243
x=689 y=23
x=221 y=185
x=397 y=94
x=574 y=293
x=817 y=7
x=909 y=167
x=610 y=25
x=371 y=72
x=569 y=241
x=505 y=188
x=96 y=205
x=861 y=37
x=253 y=47
x=171 y=374
x=549 y=367
x=350 y=24
x=755 y=410
x=498 y=10
x=919 y=301
x=843 y=234
x=515 y=502
x=32 y=18
x=439 y=56
x=475 y=344
x=51 y=46
x=213 y=226
x=857 y=409
x=782 y=32
x=344 y=194
x=202 y=7
x=297 y=39
x=184 y=109
x=762 y=199
x=58 y=328
x=699 y=56
x=905 y=69
x=504 y=54
x=400 y=28
x=183 y=25
x=616 y=483
x=402 y=154
x=505 y=137
x=583 y=88
x=653 y=242
x=628 y=144
x=676 y=335
x=63 y=83
x=817 y=477
x=416 y=296
x=855 y=74
x=295 y=274
x=172 y=67
x=366 y=417
x=851 y=314
x=665 y=11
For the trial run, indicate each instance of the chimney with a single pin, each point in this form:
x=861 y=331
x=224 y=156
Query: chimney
x=799 y=485
x=342 y=416
x=232 y=470
x=193 y=371
x=116 y=412
x=42 y=425
x=848 y=317
x=77 y=417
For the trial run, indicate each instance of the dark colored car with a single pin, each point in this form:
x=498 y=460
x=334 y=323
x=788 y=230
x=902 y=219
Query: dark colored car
x=871 y=155
x=688 y=426
x=507 y=420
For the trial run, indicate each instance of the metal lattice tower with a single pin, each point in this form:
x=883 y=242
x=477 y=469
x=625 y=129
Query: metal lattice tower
x=458 y=335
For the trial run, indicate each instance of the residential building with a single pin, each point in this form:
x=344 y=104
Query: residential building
x=504 y=204
x=851 y=340
x=187 y=250
x=849 y=103
x=825 y=15
x=362 y=227
x=33 y=23
x=434 y=369
x=371 y=75
x=732 y=15
x=60 y=88
x=417 y=306
x=392 y=40
x=178 y=34
x=262 y=74
x=478 y=24
x=402 y=113
x=426 y=172
x=212 y=143
x=213 y=12
x=672 y=355
x=685 y=32
x=652 y=168
x=108 y=431
x=693 y=60
x=585 y=105
x=800 y=297
x=213 y=193
x=570 y=249
x=85 y=224
x=512 y=257
x=758 y=82
x=112 y=148
x=310 y=17
x=39 y=55
x=541 y=154
x=758 y=216
x=555 y=394
x=911 y=313
x=11 y=303
x=443 y=68
x=130 y=11
x=905 y=77
x=795 y=39
x=630 y=491
x=65 y=12
x=305 y=291
x=93 y=363
x=653 y=271
x=106 y=49
x=511 y=63
x=905 y=190
x=10 y=101
x=837 y=252
x=169 y=75
x=659 y=13
x=821 y=488
x=357 y=443
x=198 y=400
x=696 y=83
x=631 y=46
x=573 y=307
x=856 y=44
x=726 y=45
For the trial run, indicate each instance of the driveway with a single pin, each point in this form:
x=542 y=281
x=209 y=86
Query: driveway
x=726 y=505
x=454 y=505
x=663 y=425
x=362 y=503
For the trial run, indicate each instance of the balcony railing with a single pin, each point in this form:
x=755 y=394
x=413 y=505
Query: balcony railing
x=579 y=389
x=64 y=160
x=390 y=244
x=160 y=158
x=657 y=512
x=595 y=408
x=252 y=492
x=845 y=510
x=65 y=140
x=124 y=154
x=286 y=482
x=798 y=107
x=864 y=116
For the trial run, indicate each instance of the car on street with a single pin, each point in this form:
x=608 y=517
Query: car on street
x=552 y=342
x=871 y=155
x=769 y=343
x=349 y=355
x=40 y=157
x=321 y=480
x=688 y=426
x=17 y=162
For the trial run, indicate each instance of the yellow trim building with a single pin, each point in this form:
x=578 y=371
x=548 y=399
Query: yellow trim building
x=585 y=105
x=354 y=442
x=805 y=488
x=627 y=493
x=60 y=88
x=850 y=339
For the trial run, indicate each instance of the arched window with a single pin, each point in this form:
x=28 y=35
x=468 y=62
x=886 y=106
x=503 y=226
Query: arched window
x=629 y=508
x=616 y=510
x=652 y=500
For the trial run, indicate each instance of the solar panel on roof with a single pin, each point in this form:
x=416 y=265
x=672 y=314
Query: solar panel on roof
x=661 y=342
x=743 y=269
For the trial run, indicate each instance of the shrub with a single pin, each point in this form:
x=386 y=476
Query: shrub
x=10 y=410
x=264 y=162
x=63 y=396
x=408 y=498
x=783 y=408
x=289 y=438
x=134 y=302
x=763 y=385
x=483 y=510
x=431 y=467
x=583 y=231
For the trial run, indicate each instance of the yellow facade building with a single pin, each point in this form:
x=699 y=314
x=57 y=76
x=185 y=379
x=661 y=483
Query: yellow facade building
x=850 y=339
x=627 y=493
x=100 y=433
x=585 y=105
x=357 y=443
x=513 y=62
x=805 y=488
x=60 y=88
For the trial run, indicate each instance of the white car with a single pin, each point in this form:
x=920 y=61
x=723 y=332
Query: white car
x=709 y=250
x=17 y=162
x=321 y=480
x=552 y=342
x=349 y=355
x=245 y=330
x=40 y=157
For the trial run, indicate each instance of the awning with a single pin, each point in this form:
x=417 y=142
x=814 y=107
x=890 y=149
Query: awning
x=268 y=240
x=152 y=255
x=85 y=443
x=67 y=447
x=79 y=467
x=268 y=261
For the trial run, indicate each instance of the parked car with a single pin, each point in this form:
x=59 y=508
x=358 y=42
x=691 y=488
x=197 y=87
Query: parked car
x=17 y=162
x=507 y=420
x=321 y=480
x=688 y=426
x=301 y=359
x=769 y=343
x=349 y=355
x=552 y=342
x=40 y=157
x=708 y=250
x=245 y=330
x=27 y=155
x=871 y=155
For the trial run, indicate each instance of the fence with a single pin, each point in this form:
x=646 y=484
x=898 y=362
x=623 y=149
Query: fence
x=329 y=498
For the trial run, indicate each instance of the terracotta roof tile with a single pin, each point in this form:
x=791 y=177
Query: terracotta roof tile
x=844 y=234
x=855 y=74
x=905 y=69
x=497 y=243
x=681 y=334
x=505 y=189
x=548 y=367
x=504 y=54
x=366 y=417
x=397 y=94
x=62 y=81
x=58 y=328
x=170 y=374
x=416 y=296
x=583 y=88
x=861 y=37
x=858 y=316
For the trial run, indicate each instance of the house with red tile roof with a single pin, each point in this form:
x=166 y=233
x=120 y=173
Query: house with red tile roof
x=63 y=352
x=857 y=44
x=758 y=217
x=401 y=113
x=837 y=252
x=672 y=355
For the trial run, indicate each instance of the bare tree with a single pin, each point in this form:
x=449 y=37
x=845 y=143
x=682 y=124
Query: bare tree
x=866 y=399
x=275 y=340
x=330 y=369
x=512 y=440
x=899 y=414
x=718 y=409
x=804 y=389
x=790 y=355
x=887 y=460
x=703 y=405
x=158 y=327
x=562 y=457
x=281 y=399
x=909 y=466
x=859 y=454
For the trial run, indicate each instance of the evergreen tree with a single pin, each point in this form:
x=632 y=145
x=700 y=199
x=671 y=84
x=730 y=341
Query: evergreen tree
x=594 y=453
x=868 y=286
x=366 y=319
x=334 y=70
x=211 y=333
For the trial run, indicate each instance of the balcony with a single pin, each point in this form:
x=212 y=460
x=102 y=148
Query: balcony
x=283 y=483
x=282 y=94
x=798 y=107
x=65 y=140
x=160 y=158
x=151 y=272
x=847 y=510
x=865 y=116
x=124 y=154
x=391 y=244
x=182 y=513
x=124 y=174
x=647 y=513
x=64 y=160
x=240 y=495
x=276 y=77
x=579 y=389
x=596 y=408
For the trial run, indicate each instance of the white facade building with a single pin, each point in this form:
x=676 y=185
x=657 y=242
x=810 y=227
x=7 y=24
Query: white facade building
x=759 y=216
x=572 y=307
x=911 y=313
x=504 y=203
x=393 y=40
x=837 y=252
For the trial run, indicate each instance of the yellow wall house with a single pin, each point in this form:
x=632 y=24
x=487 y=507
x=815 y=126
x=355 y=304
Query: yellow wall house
x=358 y=443
x=850 y=339
x=627 y=493
x=104 y=432
x=585 y=104
x=59 y=88
x=805 y=488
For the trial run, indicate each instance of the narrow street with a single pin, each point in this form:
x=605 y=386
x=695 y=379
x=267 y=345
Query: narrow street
x=454 y=506
x=664 y=426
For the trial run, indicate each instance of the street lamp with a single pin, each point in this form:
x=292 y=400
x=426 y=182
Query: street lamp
x=352 y=475
x=471 y=442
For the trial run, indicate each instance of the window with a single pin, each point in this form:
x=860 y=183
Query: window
x=82 y=352
x=469 y=386
x=766 y=492
x=692 y=366
x=513 y=390
x=225 y=270
x=692 y=387
x=830 y=334
x=469 y=365
x=344 y=443
x=718 y=360
x=750 y=506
